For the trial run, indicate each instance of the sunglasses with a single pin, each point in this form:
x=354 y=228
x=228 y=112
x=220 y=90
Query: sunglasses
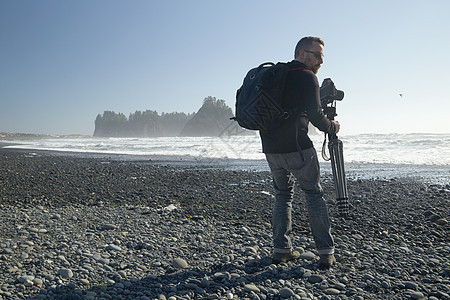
x=318 y=56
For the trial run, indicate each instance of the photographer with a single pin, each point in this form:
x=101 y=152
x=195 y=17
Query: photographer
x=290 y=154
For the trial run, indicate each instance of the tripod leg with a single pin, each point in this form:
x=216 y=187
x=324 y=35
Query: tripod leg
x=337 y=164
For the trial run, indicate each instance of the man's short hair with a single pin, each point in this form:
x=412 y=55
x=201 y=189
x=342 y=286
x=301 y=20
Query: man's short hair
x=305 y=43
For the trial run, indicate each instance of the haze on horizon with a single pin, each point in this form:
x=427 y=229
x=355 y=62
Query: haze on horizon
x=65 y=62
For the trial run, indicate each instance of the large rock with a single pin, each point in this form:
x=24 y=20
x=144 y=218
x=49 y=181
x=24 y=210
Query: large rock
x=210 y=120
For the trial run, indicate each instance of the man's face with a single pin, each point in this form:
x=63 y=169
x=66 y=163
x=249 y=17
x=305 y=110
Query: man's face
x=313 y=57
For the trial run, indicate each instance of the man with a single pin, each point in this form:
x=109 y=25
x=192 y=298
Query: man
x=291 y=154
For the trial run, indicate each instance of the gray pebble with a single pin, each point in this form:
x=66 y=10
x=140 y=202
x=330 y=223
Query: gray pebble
x=315 y=278
x=332 y=291
x=308 y=255
x=180 y=263
x=108 y=227
x=114 y=248
x=286 y=293
x=24 y=278
x=417 y=295
x=65 y=273
x=441 y=222
x=251 y=288
x=410 y=285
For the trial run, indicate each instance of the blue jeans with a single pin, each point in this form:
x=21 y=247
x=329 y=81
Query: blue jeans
x=303 y=166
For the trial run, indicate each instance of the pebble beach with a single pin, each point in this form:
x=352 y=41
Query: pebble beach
x=74 y=227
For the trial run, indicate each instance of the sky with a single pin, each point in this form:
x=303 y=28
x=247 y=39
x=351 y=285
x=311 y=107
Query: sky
x=64 y=62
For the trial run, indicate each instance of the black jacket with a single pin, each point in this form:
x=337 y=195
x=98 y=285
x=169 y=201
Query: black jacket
x=302 y=92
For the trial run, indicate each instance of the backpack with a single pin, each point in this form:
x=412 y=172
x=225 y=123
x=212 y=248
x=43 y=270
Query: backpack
x=259 y=101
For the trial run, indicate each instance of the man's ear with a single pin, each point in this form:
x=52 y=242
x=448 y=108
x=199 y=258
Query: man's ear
x=301 y=55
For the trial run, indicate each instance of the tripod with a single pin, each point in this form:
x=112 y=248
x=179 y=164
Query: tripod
x=335 y=147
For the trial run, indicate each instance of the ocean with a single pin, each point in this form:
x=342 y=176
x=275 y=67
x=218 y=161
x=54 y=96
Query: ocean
x=424 y=156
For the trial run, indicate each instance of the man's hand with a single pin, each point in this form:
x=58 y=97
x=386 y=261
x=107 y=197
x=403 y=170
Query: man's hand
x=337 y=125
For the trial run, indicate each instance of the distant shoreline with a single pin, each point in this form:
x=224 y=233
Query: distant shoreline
x=7 y=136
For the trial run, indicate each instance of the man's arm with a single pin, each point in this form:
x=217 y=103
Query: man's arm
x=314 y=108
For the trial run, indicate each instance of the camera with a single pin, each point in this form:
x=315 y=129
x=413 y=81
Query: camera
x=329 y=93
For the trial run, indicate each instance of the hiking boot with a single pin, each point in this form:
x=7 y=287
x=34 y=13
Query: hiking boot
x=326 y=261
x=285 y=257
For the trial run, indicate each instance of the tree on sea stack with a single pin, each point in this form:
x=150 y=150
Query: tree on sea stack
x=210 y=120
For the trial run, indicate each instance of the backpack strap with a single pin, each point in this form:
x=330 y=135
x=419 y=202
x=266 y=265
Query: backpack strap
x=300 y=68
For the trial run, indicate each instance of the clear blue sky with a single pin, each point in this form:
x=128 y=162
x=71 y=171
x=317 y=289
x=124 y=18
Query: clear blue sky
x=64 y=62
